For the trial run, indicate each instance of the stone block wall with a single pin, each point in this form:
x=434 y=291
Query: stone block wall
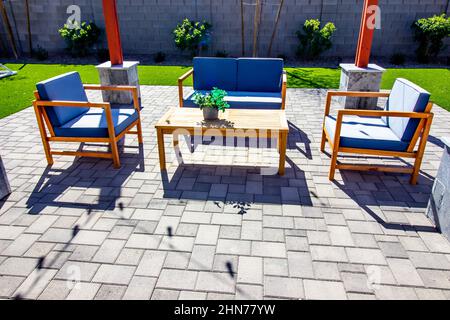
x=146 y=25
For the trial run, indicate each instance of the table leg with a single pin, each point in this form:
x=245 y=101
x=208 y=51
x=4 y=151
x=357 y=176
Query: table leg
x=161 y=149
x=282 y=146
x=176 y=140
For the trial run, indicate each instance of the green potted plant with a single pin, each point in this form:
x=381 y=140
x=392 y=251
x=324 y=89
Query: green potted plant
x=211 y=103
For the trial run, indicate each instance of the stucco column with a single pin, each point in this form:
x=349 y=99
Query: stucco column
x=5 y=188
x=439 y=206
x=354 y=78
x=122 y=74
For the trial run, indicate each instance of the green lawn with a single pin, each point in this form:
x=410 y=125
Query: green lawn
x=16 y=93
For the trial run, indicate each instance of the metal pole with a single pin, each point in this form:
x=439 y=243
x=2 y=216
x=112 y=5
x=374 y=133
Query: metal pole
x=112 y=31
x=365 y=36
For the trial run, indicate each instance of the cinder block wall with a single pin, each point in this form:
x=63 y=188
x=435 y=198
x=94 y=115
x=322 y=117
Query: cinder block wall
x=146 y=25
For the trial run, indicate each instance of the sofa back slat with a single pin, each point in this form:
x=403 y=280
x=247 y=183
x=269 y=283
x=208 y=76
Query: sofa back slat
x=259 y=75
x=215 y=72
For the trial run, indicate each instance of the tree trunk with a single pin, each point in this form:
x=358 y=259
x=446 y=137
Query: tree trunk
x=8 y=29
x=275 y=28
x=257 y=22
x=30 y=41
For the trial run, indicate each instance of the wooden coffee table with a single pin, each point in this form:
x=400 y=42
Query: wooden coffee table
x=234 y=122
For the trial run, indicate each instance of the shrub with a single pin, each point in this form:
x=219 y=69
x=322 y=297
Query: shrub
x=398 y=59
x=81 y=38
x=102 y=55
x=314 y=40
x=192 y=36
x=159 y=57
x=282 y=56
x=222 y=54
x=40 y=53
x=430 y=33
x=215 y=99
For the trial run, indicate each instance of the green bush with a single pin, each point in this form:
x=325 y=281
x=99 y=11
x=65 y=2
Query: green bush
x=102 y=54
x=430 y=33
x=222 y=54
x=214 y=99
x=192 y=36
x=398 y=59
x=80 y=39
x=159 y=57
x=40 y=53
x=313 y=39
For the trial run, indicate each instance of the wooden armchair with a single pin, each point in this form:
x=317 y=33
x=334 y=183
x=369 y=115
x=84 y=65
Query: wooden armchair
x=64 y=114
x=393 y=132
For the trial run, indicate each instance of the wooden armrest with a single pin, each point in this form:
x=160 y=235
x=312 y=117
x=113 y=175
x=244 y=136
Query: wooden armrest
x=180 y=85
x=109 y=88
x=362 y=94
x=283 y=90
x=78 y=104
x=185 y=76
x=380 y=113
x=133 y=89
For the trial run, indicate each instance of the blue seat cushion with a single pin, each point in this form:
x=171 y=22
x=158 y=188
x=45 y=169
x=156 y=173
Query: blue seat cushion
x=259 y=75
x=93 y=124
x=215 y=72
x=66 y=87
x=406 y=97
x=245 y=100
x=365 y=133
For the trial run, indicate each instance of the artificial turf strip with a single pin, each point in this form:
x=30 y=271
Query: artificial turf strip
x=16 y=93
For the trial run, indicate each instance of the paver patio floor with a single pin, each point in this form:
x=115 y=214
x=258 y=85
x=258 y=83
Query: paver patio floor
x=214 y=227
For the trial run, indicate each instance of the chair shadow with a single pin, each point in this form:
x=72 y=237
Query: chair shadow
x=54 y=182
x=381 y=198
x=436 y=141
x=296 y=137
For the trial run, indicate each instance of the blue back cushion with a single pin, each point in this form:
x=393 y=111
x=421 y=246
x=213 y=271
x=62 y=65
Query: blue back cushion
x=406 y=97
x=215 y=72
x=260 y=75
x=66 y=87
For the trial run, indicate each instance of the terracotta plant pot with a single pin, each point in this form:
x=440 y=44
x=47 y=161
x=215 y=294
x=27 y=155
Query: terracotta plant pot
x=210 y=113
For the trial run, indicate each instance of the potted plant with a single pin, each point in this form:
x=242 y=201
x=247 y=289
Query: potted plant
x=211 y=103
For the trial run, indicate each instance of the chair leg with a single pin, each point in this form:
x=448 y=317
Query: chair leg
x=416 y=170
x=421 y=151
x=48 y=153
x=45 y=143
x=115 y=153
x=139 y=129
x=333 y=165
x=324 y=140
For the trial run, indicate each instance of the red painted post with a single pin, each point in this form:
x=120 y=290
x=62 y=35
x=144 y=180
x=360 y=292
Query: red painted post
x=366 y=34
x=112 y=31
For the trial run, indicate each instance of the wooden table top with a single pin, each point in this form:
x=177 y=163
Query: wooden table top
x=232 y=119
